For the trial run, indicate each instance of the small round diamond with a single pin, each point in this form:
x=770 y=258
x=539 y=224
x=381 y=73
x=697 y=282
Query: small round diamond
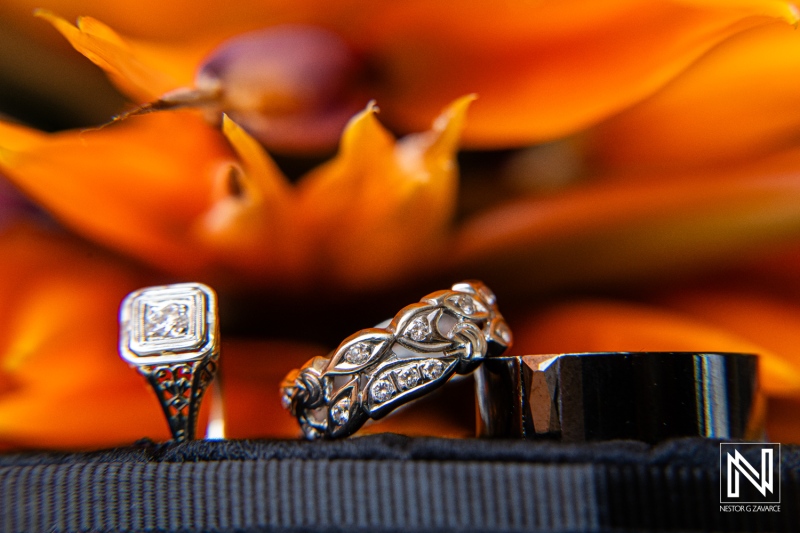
x=358 y=354
x=466 y=304
x=340 y=412
x=408 y=377
x=432 y=369
x=382 y=390
x=419 y=329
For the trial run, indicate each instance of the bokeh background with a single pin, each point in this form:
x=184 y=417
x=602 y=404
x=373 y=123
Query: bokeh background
x=624 y=174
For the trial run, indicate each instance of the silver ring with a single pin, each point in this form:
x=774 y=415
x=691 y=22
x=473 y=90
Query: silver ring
x=170 y=334
x=376 y=370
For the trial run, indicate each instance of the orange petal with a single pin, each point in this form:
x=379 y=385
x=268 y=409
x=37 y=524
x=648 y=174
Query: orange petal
x=251 y=226
x=739 y=101
x=635 y=230
x=176 y=21
x=62 y=382
x=182 y=19
x=545 y=70
x=773 y=8
x=541 y=70
x=136 y=186
x=381 y=208
x=601 y=326
x=141 y=70
x=770 y=321
x=165 y=188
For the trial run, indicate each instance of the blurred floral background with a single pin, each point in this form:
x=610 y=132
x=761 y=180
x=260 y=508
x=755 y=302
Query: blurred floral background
x=624 y=174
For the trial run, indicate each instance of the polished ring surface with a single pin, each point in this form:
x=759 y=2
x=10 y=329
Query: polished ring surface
x=376 y=370
x=170 y=335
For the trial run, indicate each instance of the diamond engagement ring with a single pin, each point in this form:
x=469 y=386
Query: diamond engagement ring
x=170 y=334
x=376 y=370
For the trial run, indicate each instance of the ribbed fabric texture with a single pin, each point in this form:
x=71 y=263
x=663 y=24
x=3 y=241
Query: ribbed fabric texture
x=382 y=483
x=347 y=494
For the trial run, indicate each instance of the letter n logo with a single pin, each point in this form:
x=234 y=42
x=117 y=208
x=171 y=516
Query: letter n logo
x=749 y=472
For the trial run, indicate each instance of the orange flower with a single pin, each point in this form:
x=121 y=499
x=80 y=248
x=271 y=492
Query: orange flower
x=176 y=193
x=196 y=195
x=542 y=70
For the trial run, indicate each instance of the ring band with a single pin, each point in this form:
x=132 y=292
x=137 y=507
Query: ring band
x=376 y=370
x=647 y=396
x=170 y=334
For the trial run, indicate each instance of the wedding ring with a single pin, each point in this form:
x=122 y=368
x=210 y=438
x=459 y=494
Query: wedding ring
x=647 y=396
x=376 y=370
x=170 y=335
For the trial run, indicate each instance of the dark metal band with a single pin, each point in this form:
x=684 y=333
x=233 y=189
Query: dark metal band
x=649 y=396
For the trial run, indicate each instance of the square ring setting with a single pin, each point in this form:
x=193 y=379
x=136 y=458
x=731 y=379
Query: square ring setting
x=168 y=324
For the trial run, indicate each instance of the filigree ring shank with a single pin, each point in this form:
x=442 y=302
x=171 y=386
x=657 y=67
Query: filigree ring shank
x=376 y=370
x=170 y=335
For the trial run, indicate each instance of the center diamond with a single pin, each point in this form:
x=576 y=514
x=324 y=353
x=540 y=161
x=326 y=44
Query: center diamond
x=167 y=321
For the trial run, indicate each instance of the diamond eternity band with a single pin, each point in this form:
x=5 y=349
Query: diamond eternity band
x=376 y=370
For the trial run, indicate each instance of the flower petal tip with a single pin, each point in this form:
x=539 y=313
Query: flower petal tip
x=59 y=22
x=449 y=125
x=369 y=111
x=793 y=16
x=455 y=112
x=788 y=11
x=237 y=137
x=132 y=71
x=229 y=125
x=365 y=115
x=44 y=13
x=363 y=129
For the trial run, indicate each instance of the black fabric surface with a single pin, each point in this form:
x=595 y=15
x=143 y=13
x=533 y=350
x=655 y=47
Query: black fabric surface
x=383 y=483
